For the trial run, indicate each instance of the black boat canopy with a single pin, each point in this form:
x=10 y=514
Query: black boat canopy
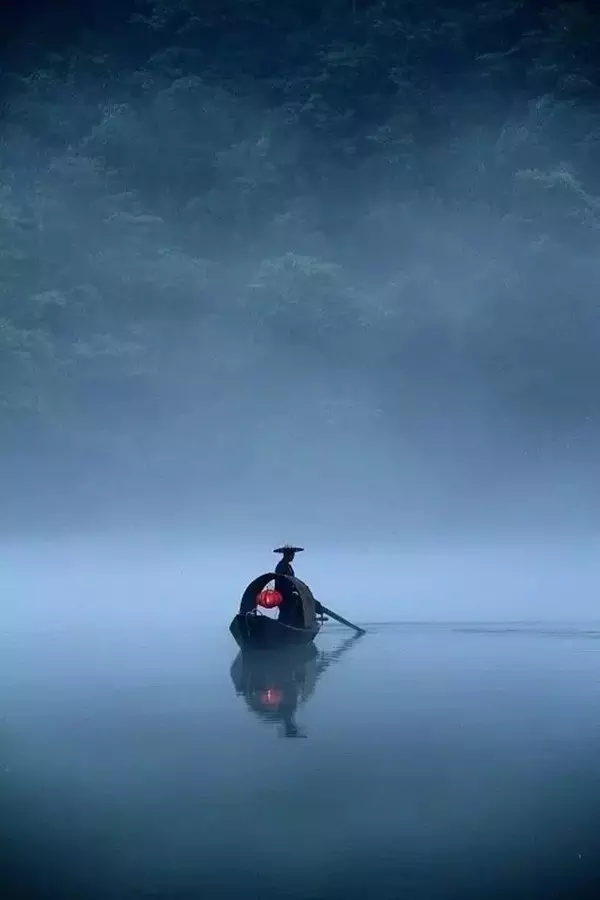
x=255 y=587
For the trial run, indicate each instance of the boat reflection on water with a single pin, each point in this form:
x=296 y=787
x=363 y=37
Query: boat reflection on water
x=275 y=683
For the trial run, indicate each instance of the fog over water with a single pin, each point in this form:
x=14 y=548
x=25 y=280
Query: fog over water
x=182 y=578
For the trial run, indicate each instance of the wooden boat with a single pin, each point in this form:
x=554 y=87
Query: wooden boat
x=253 y=630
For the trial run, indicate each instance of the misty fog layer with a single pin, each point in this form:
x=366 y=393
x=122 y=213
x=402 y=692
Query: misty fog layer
x=328 y=272
x=179 y=582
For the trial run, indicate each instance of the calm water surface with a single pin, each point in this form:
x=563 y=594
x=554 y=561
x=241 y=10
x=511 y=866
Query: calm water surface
x=450 y=761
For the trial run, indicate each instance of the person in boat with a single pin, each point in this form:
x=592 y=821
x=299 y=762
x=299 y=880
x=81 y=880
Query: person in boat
x=290 y=609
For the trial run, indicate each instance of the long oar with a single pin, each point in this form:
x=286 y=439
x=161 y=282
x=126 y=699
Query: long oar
x=341 y=620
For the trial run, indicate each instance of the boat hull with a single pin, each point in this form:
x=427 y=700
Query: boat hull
x=256 y=632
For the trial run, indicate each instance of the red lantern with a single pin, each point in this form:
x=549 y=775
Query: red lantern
x=269 y=598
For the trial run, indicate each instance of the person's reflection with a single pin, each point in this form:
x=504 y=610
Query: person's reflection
x=275 y=684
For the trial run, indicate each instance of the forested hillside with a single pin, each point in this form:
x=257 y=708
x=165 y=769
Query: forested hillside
x=211 y=211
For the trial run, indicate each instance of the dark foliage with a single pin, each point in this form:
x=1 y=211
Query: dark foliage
x=399 y=191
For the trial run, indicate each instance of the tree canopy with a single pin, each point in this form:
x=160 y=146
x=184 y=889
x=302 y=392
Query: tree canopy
x=198 y=199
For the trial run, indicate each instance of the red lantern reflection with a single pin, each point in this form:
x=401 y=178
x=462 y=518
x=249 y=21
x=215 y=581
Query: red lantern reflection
x=271 y=697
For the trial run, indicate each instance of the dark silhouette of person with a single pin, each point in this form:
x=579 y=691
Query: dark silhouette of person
x=290 y=609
